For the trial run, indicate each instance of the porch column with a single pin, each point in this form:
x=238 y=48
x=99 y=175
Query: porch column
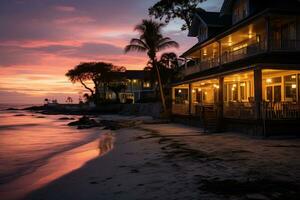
x=257 y=91
x=220 y=103
x=190 y=98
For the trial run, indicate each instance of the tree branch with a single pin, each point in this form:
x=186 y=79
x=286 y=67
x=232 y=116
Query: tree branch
x=86 y=87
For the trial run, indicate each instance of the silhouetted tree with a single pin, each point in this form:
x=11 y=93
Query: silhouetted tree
x=151 y=41
x=171 y=9
x=97 y=72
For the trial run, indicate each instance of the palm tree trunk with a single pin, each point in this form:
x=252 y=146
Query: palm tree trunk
x=162 y=96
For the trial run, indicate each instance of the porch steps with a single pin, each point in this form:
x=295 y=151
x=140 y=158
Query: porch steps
x=210 y=120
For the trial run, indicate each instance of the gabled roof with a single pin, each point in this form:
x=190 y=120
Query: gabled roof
x=262 y=4
x=210 y=19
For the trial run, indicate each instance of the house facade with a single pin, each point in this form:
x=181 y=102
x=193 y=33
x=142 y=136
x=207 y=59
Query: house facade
x=138 y=87
x=244 y=72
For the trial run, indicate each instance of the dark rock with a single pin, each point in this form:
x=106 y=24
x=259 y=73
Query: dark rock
x=66 y=118
x=85 y=123
x=12 y=109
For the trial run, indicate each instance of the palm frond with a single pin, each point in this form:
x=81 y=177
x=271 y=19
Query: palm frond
x=139 y=42
x=167 y=44
x=137 y=48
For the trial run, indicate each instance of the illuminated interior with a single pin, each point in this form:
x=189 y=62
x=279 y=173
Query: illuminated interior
x=204 y=92
x=280 y=85
x=239 y=87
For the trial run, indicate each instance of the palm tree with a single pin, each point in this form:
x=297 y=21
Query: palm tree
x=151 y=41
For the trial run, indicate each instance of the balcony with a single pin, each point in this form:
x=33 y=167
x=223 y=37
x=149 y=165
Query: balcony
x=285 y=45
x=200 y=66
x=247 y=48
x=245 y=51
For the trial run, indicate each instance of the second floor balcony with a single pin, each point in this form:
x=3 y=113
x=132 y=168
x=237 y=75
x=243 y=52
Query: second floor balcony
x=251 y=40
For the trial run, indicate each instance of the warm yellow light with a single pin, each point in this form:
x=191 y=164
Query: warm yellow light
x=243 y=84
x=294 y=86
x=134 y=81
x=205 y=92
x=234 y=85
x=216 y=86
x=294 y=76
x=233 y=89
x=202 y=84
x=205 y=52
x=269 y=80
x=199 y=89
x=193 y=91
x=179 y=91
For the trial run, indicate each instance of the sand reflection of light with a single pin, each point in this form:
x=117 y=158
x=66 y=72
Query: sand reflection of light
x=58 y=167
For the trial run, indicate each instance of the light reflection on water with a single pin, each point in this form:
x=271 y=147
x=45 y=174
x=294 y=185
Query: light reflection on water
x=35 y=151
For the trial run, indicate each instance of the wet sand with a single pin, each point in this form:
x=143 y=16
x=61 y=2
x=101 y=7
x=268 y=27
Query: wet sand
x=171 y=161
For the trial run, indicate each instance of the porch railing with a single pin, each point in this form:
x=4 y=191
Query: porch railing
x=180 y=109
x=280 y=110
x=239 y=110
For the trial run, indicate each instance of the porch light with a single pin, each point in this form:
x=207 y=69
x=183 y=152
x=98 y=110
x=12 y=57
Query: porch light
x=216 y=86
x=134 y=80
x=294 y=86
x=269 y=80
x=293 y=77
x=202 y=84
x=234 y=85
x=233 y=88
x=199 y=89
x=205 y=52
x=193 y=91
x=205 y=92
x=243 y=84
x=179 y=91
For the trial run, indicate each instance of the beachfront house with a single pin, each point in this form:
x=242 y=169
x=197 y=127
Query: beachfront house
x=138 y=87
x=244 y=72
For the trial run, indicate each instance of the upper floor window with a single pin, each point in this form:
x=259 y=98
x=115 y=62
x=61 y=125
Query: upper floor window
x=240 y=10
x=202 y=34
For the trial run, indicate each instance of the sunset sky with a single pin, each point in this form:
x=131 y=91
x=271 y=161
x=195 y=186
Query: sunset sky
x=41 y=39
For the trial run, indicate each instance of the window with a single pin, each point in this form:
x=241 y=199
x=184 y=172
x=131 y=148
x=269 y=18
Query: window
x=233 y=92
x=240 y=10
x=202 y=34
x=181 y=96
x=290 y=84
x=225 y=92
x=269 y=93
x=146 y=85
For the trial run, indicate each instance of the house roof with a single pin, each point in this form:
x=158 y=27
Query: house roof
x=210 y=18
x=136 y=74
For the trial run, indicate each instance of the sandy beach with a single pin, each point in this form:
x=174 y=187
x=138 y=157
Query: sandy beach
x=169 y=161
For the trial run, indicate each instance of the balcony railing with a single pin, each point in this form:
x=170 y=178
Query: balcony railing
x=252 y=49
x=285 y=45
x=203 y=65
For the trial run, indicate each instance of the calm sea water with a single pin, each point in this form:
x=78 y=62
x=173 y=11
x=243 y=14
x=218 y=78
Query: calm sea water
x=30 y=142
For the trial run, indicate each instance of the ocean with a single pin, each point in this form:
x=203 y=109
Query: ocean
x=36 y=149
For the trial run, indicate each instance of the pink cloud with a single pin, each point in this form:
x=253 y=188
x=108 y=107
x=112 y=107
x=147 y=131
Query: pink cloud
x=65 y=8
